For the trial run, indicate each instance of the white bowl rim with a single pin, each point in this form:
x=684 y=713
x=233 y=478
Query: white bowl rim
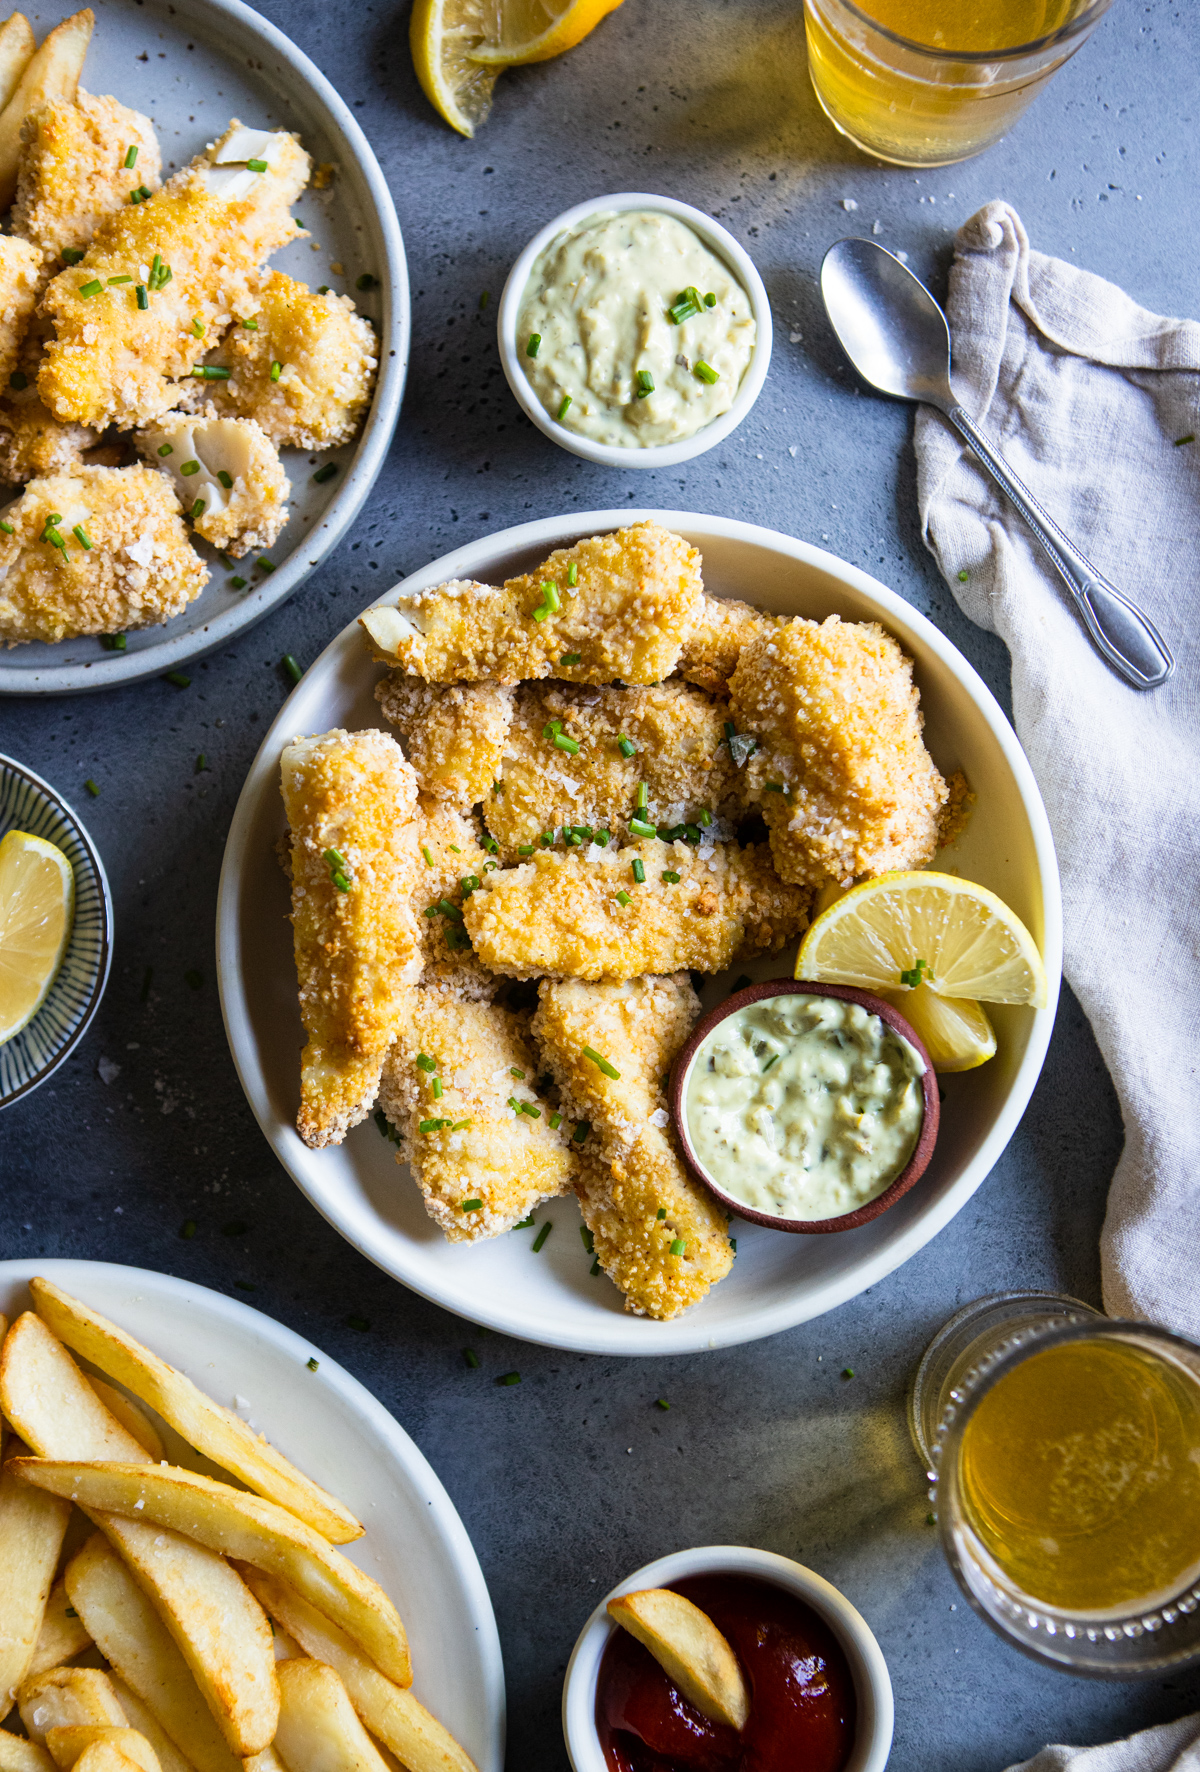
x=106 y=929
x=872 y=1682
x=627 y=1335
x=657 y=455
x=372 y=445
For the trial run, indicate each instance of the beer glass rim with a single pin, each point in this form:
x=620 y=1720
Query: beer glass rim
x=1073 y=28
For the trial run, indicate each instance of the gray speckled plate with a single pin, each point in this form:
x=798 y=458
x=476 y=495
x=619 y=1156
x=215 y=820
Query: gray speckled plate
x=191 y=70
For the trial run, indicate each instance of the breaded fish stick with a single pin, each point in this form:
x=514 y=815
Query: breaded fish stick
x=193 y=250
x=94 y=551
x=350 y=799
x=449 y=1088
x=841 y=773
x=676 y=740
x=614 y=607
x=713 y=647
x=20 y=264
x=657 y=1233
x=562 y=914
x=227 y=475
x=453 y=734
x=451 y=864
x=73 y=171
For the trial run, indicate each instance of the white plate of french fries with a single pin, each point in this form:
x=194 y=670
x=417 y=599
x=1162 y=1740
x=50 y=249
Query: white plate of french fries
x=545 y=1287
x=190 y=71
x=176 y=1595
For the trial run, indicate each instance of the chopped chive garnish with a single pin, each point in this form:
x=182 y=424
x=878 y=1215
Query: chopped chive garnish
x=645 y=383
x=425 y=1063
x=141 y=195
x=225 y=479
x=131 y=155
x=7 y=528
x=256 y=165
x=661 y=1214
x=114 y=281
x=706 y=372
x=114 y=642
x=847 y=1372
x=276 y=371
x=196 y=512
x=600 y=839
x=579 y=1136
x=595 y=1268
x=265 y=565
x=239 y=584
x=540 y=1239
x=682 y=310
x=555 y=1122
x=622 y=898
x=550 y=596
x=484 y=299
x=88 y=290
x=449 y=910
x=710 y=301
x=325 y=473
x=437 y=1088
x=492 y=847
x=670 y=877
x=435 y=1126
x=252 y=325
x=366 y=281
x=571 y=658
x=589 y=1242
x=426 y=854
x=72 y=254
x=639 y=828
x=562 y=411
x=524 y=848
x=179 y=679
x=291 y=667
x=471 y=1358
x=602 y=1064
x=549 y=730
x=515 y=1070
x=458 y=1125
x=626 y=746
x=454 y=849
x=641 y=798
x=215 y=372
x=639 y=870
x=469 y=884
x=312 y=1364
x=661 y=1403
x=524 y=1224
x=534 y=345
x=509 y=1378
x=704 y=817
x=197 y=326
x=774 y=787
x=189 y=467
x=573 y=573
x=774 y=1059
x=547 y=839
x=81 y=536
x=679 y=1247
x=92 y=789
x=143 y=300
x=563 y=743
x=1179 y=443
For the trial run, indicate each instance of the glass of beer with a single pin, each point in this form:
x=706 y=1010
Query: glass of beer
x=929 y=82
x=1065 y=1470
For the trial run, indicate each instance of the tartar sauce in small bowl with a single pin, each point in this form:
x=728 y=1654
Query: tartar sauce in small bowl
x=635 y=331
x=805 y=1107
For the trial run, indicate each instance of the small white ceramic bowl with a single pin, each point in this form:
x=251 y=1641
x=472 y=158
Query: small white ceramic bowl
x=658 y=455
x=872 y=1686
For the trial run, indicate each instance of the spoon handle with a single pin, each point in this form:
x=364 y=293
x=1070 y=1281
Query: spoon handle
x=1123 y=635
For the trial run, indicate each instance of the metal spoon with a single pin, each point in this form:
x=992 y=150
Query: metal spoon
x=896 y=336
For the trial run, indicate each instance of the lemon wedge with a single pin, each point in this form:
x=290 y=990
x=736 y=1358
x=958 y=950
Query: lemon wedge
x=459 y=46
x=957 y=1033
x=37 y=907
x=967 y=941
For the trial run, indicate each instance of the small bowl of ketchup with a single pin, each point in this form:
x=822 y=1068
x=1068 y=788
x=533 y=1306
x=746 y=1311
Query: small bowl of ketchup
x=820 y=1696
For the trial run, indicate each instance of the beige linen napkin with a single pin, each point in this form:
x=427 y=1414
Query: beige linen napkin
x=1087 y=396
x=1172 y=1747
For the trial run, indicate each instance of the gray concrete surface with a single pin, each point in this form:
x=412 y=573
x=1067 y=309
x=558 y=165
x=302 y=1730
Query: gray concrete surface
x=574 y=1477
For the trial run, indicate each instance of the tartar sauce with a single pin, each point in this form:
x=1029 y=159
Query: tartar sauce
x=598 y=307
x=804 y=1107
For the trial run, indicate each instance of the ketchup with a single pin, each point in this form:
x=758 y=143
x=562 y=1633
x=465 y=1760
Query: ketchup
x=802 y=1709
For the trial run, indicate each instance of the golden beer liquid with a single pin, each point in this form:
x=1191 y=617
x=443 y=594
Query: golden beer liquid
x=1080 y=1474
x=931 y=109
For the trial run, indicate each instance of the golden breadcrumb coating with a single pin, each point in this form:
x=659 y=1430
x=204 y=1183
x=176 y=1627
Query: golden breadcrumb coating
x=956 y=813
x=636 y=597
x=838 y=723
x=476 y=1146
x=712 y=649
x=450 y=865
x=560 y=914
x=139 y=569
x=350 y=800
x=453 y=735
x=327 y=356
x=211 y=226
x=240 y=518
x=72 y=171
x=681 y=756
x=19 y=289
x=33 y=442
x=631 y=1170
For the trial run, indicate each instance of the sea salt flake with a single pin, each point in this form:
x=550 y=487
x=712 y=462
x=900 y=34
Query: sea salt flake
x=108 y=1071
x=849 y=203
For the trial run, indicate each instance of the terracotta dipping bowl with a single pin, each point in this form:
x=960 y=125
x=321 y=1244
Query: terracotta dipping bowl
x=796 y=987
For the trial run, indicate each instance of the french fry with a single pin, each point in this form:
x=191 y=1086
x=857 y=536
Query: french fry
x=68 y=1745
x=62 y=1637
x=389 y=1711
x=30 y=1540
x=16 y=53
x=130 y=1634
x=216 y=1432
x=692 y=1651
x=52 y=73
x=214 y=1619
x=135 y=1421
x=19 y=1755
x=319 y=1730
x=234 y=1524
x=65 y=1696
x=267 y=1761
x=105 y=1756
x=142 y=1718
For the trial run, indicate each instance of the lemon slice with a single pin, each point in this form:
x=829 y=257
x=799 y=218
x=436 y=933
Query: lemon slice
x=536 y=30
x=37 y=906
x=957 y=1033
x=442 y=34
x=968 y=941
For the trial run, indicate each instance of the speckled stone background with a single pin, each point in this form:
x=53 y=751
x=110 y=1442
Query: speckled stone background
x=574 y=1477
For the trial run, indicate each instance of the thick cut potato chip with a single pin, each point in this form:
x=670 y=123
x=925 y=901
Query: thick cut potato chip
x=52 y=72
x=235 y=1524
x=130 y=1634
x=68 y=1745
x=51 y=1404
x=690 y=1649
x=319 y=1730
x=68 y=1696
x=63 y=1634
x=142 y=1718
x=16 y=52
x=135 y=1421
x=30 y=1540
x=389 y=1711
x=106 y=1756
x=213 y=1431
x=19 y=1755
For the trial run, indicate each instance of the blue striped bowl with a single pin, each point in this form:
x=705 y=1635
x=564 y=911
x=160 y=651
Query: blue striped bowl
x=27 y=803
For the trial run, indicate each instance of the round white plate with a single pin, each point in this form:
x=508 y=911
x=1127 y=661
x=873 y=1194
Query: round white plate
x=415 y=1544
x=190 y=69
x=777 y=1279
